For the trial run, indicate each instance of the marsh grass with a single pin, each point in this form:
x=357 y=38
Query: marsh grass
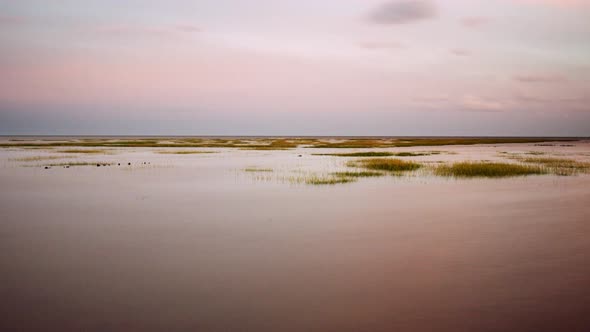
x=264 y=148
x=414 y=154
x=185 y=152
x=87 y=151
x=258 y=170
x=409 y=142
x=362 y=174
x=378 y=154
x=385 y=164
x=272 y=143
x=357 y=154
x=469 y=169
x=559 y=166
x=327 y=180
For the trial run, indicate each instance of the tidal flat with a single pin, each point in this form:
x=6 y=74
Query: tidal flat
x=294 y=234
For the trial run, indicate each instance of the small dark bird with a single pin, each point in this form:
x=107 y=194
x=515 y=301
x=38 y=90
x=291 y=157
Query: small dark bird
x=97 y=165
x=46 y=167
x=118 y=164
x=128 y=164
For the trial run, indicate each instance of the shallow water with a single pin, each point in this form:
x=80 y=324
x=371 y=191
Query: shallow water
x=194 y=243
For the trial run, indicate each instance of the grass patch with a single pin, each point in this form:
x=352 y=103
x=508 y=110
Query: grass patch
x=487 y=169
x=83 y=151
x=385 y=164
x=272 y=143
x=327 y=180
x=363 y=174
x=559 y=166
x=357 y=154
x=258 y=170
x=413 y=154
x=185 y=152
x=264 y=148
x=409 y=142
x=377 y=154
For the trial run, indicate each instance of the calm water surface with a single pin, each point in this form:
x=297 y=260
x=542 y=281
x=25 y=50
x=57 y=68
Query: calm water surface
x=193 y=243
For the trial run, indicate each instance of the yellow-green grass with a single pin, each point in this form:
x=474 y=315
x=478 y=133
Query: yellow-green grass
x=258 y=170
x=559 y=166
x=377 y=154
x=185 y=152
x=357 y=154
x=361 y=174
x=87 y=151
x=327 y=180
x=385 y=164
x=273 y=143
x=468 y=169
x=381 y=143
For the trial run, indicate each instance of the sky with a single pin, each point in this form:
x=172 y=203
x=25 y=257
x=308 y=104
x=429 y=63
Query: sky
x=306 y=67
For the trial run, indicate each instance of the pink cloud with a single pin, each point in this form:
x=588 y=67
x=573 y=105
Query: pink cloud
x=540 y=78
x=10 y=20
x=187 y=28
x=380 y=45
x=476 y=103
x=139 y=30
x=564 y=3
x=474 y=22
x=460 y=52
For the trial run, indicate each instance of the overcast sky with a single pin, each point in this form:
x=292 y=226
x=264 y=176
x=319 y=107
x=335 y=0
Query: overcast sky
x=305 y=67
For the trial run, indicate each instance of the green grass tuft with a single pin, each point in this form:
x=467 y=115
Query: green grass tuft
x=82 y=151
x=185 y=152
x=258 y=170
x=559 y=166
x=412 y=154
x=327 y=180
x=362 y=174
x=384 y=164
x=357 y=154
x=487 y=169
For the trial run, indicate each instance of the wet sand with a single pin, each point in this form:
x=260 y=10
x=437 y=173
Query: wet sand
x=193 y=243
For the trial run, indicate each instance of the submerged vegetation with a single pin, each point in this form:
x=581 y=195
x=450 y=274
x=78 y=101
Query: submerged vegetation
x=486 y=169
